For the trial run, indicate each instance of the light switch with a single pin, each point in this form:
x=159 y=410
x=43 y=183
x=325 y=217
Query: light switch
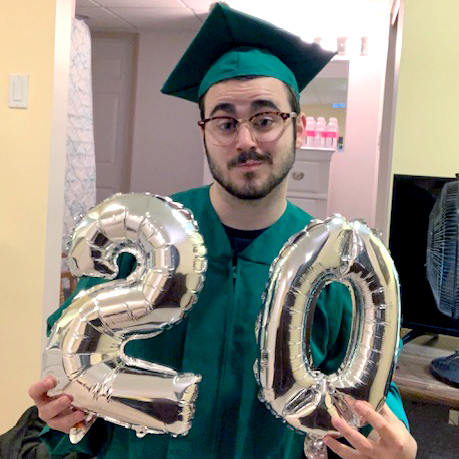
x=18 y=93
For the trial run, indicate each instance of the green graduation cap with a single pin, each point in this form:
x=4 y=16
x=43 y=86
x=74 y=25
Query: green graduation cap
x=231 y=44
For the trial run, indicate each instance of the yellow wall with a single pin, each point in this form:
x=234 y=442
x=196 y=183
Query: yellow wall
x=427 y=114
x=30 y=189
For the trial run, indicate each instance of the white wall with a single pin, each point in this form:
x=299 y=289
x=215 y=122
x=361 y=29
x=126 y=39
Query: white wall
x=354 y=173
x=167 y=153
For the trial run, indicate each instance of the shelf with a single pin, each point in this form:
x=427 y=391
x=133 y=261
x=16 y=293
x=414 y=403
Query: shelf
x=413 y=377
x=317 y=149
x=314 y=154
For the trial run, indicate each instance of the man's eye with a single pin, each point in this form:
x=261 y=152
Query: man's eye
x=263 y=122
x=226 y=126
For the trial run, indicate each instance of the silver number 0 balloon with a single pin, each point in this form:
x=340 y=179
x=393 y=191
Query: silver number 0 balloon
x=85 y=351
x=332 y=250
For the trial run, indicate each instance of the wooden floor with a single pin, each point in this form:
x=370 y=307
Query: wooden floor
x=413 y=376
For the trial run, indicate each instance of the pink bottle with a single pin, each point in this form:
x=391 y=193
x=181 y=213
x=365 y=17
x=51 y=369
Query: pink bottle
x=310 y=132
x=319 y=140
x=331 y=139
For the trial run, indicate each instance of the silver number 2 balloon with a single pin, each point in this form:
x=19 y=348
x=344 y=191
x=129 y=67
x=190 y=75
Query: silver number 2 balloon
x=85 y=351
x=332 y=250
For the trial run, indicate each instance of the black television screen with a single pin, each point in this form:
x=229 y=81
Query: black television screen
x=412 y=201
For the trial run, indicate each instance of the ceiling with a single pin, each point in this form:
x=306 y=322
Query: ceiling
x=133 y=15
x=187 y=15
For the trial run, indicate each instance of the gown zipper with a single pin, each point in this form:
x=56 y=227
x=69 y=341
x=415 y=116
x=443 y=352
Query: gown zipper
x=229 y=336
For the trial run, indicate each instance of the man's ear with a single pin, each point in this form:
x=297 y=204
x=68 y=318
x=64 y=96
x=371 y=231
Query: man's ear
x=300 y=129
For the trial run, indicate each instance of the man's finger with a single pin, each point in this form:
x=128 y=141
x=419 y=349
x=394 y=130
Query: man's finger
x=38 y=391
x=387 y=413
x=65 y=423
x=343 y=451
x=353 y=436
x=55 y=408
x=381 y=422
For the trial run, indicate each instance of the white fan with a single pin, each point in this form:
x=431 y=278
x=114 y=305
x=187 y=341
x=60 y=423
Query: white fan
x=443 y=268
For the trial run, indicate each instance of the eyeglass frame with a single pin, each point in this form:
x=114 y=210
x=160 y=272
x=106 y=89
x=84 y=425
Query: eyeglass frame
x=285 y=116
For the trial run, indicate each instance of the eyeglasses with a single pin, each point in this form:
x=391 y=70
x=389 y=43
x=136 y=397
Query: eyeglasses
x=264 y=126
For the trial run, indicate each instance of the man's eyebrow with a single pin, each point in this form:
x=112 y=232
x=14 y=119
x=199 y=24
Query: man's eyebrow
x=255 y=105
x=224 y=107
x=262 y=103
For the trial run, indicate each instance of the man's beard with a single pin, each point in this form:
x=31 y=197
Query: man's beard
x=249 y=190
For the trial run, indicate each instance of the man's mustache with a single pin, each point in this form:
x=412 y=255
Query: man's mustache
x=250 y=156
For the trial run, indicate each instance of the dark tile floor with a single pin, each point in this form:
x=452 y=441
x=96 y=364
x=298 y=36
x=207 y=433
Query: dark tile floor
x=429 y=426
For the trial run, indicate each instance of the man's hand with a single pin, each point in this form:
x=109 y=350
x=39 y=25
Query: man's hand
x=389 y=439
x=57 y=412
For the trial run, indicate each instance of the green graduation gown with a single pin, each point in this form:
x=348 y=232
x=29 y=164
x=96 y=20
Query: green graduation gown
x=217 y=341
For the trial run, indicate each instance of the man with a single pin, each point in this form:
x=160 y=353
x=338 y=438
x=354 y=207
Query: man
x=246 y=76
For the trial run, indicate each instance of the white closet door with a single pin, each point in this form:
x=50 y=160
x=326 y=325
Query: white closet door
x=113 y=63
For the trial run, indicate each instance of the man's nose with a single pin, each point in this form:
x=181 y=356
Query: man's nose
x=245 y=138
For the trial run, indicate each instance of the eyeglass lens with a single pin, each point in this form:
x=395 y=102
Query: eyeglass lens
x=265 y=127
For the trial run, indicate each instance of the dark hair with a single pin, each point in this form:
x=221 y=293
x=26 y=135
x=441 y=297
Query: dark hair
x=292 y=97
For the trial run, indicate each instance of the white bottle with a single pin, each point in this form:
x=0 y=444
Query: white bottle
x=331 y=138
x=310 y=132
x=319 y=140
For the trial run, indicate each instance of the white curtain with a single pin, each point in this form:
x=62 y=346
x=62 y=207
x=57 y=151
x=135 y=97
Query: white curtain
x=80 y=174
